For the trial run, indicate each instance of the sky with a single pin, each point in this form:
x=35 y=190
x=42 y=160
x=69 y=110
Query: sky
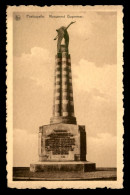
x=93 y=50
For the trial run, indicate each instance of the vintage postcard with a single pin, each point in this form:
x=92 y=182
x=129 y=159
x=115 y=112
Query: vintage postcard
x=64 y=97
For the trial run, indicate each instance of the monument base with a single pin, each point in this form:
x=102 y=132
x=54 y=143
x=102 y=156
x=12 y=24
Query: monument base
x=82 y=166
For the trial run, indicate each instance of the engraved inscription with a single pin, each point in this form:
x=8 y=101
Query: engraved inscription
x=60 y=142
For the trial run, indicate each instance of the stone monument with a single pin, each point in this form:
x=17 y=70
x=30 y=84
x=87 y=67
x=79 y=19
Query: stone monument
x=62 y=143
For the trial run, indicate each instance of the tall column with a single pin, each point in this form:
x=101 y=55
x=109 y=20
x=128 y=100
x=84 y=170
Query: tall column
x=63 y=105
x=67 y=90
x=65 y=86
x=57 y=87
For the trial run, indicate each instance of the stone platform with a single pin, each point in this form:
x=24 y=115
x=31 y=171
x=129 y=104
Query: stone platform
x=63 y=166
x=100 y=174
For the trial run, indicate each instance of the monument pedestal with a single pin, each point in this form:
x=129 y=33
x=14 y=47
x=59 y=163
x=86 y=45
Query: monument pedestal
x=62 y=142
x=63 y=166
x=62 y=147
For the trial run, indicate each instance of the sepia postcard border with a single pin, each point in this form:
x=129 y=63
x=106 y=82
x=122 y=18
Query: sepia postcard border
x=120 y=111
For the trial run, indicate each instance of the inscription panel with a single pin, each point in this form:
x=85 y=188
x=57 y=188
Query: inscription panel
x=60 y=142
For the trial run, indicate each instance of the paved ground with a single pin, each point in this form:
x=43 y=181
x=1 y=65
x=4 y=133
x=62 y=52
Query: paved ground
x=23 y=174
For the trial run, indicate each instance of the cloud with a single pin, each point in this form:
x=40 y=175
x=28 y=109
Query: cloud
x=32 y=104
x=36 y=65
x=87 y=76
x=25 y=148
x=99 y=115
x=95 y=97
x=96 y=38
x=102 y=150
x=33 y=89
x=39 y=53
